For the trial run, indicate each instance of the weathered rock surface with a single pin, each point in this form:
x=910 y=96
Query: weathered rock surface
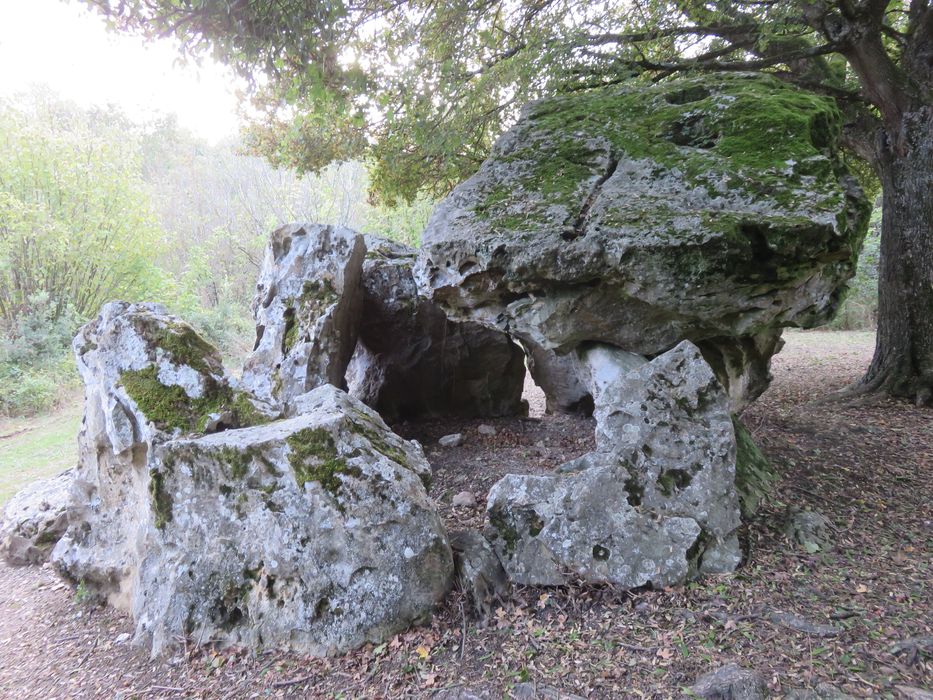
x=479 y=572
x=730 y=682
x=452 y=440
x=755 y=477
x=413 y=361
x=35 y=519
x=556 y=375
x=307 y=307
x=314 y=533
x=823 y=691
x=656 y=501
x=809 y=529
x=714 y=208
x=147 y=376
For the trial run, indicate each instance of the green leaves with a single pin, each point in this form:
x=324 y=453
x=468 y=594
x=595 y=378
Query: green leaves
x=74 y=220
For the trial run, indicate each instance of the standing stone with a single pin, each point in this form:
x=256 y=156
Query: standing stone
x=35 y=519
x=479 y=573
x=307 y=310
x=413 y=361
x=147 y=377
x=313 y=533
x=655 y=503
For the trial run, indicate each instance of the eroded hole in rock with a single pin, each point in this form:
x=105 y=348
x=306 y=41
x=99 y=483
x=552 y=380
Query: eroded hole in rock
x=634 y=491
x=260 y=331
x=600 y=553
x=673 y=480
x=821 y=132
x=693 y=131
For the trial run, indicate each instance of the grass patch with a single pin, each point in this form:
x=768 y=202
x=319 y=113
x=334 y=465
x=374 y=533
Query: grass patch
x=39 y=447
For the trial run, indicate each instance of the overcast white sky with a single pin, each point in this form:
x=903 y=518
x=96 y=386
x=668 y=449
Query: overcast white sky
x=67 y=48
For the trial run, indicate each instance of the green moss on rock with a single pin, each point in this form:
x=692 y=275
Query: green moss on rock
x=314 y=457
x=169 y=407
x=754 y=475
x=763 y=135
x=186 y=347
x=505 y=530
x=161 y=499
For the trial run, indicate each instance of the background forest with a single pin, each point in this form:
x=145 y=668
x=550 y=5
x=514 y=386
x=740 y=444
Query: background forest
x=94 y=207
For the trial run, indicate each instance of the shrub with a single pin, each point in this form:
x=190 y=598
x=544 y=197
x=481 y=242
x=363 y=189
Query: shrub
x=37 y=369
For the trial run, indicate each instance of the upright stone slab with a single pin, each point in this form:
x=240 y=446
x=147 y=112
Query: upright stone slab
x=712 y=208
x=313 y=533
x=147 y=377
x=655 y=503
x=411 y=360
x=307 y=309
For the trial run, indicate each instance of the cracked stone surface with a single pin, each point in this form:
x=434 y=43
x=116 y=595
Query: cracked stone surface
x=715 y=209
x=200 y=512
x=147 y=377
x=313 y=533
x=307 y=307
x=655 y=503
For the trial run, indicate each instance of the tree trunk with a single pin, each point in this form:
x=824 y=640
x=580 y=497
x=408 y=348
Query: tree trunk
x=903 y=361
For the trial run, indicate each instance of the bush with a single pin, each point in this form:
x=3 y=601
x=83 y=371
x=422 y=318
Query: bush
x=31 y=390
x=37 y=369
x=227 y=326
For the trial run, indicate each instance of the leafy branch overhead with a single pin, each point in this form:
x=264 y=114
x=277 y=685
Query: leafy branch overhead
x=421 y=89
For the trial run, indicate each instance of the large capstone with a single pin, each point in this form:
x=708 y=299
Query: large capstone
x=314 y=533
x=713 y=208
x=655 y=503
x=35 y=519
x=411 y=360
x=148 y=376
x=307 y=311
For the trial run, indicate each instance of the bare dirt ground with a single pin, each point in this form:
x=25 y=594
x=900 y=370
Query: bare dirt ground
x=868 y=467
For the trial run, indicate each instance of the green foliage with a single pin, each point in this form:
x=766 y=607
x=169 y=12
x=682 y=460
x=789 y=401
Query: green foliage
x=859 y=310
x=74 y=219
x=403 y=222
x=36 y=367
x=421 y=90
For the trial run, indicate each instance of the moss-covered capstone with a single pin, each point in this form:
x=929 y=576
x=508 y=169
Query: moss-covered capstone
x=714 y=208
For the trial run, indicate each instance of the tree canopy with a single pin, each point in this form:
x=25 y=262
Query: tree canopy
x=421 y=89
